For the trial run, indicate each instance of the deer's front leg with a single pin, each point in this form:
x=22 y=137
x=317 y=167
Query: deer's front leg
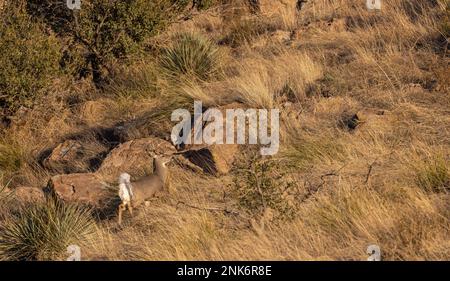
x=120 y=210
x=130 y=208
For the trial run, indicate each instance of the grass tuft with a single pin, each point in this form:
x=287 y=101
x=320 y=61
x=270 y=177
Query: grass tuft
x=191 y=55
x=44 y=231
x=433 y=175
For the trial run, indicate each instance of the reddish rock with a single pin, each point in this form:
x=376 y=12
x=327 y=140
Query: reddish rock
x=134 y=157
x=216 y=159
x=84 y=188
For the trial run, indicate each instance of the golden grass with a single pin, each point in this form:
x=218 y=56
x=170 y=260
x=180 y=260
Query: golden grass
x=260 y=81
x=384 y=182
x=43 y=231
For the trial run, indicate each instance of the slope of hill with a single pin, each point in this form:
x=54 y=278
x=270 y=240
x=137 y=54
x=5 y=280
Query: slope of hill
x=364 y=130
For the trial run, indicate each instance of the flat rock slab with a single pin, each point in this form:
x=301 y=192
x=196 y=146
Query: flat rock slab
x=85 y=188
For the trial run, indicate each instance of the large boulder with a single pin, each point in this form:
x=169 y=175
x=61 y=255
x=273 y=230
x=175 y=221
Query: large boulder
x=134 y=157
x=72 y=156
x=216 y=159
x=85 y=188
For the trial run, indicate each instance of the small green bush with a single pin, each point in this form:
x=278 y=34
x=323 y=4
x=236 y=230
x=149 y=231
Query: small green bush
x=43 y=231
x=191 y=55
x=29 y=58
x=261 y=185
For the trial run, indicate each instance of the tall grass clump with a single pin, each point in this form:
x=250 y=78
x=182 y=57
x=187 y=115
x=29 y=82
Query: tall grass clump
x=433 y=175
x=191 y=55
x=43 y=231
x=12 y=158
x=245 y=31
x=206 y=4
x=136 y=82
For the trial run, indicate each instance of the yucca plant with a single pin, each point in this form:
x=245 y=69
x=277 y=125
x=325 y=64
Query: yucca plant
x=191 y=55
x=43 y=231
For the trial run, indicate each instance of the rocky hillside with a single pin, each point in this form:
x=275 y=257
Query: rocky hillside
x=364 y=151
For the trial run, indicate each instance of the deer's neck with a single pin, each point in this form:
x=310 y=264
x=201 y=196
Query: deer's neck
x=161 y=171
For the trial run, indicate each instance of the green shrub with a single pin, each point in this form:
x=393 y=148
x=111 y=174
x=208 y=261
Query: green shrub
x=261 y=185
x=107 y=30
x=193 y=56
x=43 y=231
x=29 y=58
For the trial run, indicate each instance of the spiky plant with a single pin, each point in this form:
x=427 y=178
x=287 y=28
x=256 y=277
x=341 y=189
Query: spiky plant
x=43 y=231
x=191 y=55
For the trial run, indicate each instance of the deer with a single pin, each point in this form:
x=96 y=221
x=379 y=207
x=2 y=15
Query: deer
x=135 y=193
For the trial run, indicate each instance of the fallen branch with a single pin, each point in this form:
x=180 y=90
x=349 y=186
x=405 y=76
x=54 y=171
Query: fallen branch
x=369 y=172
x=212 y=209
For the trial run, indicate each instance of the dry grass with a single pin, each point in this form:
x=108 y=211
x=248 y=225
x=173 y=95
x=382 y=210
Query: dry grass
x=43 y=231
x=384 y=180
x=261 y=82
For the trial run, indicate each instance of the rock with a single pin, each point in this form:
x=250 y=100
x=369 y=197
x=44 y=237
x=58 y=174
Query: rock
x=85 y=188
x=134 y=157
x=72 y=156
x=352 y=122
x=28 y=194
x=216 y=159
